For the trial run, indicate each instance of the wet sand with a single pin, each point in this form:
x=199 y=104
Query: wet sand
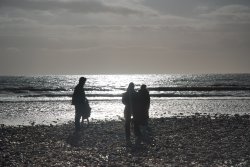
x=178 y=141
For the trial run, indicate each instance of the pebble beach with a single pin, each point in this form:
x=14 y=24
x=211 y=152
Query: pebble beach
x=196 y=140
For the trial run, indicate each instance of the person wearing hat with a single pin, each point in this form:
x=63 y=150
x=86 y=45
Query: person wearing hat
x=78 y=100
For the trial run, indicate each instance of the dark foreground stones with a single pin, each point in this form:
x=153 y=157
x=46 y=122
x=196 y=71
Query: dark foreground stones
x=187 y=141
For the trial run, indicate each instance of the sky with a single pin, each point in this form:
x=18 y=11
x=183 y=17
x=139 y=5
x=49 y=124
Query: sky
x=124 y=36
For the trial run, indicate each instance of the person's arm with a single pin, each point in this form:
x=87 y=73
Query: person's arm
x=125 y=99
x=148 y=100
x=73 y=101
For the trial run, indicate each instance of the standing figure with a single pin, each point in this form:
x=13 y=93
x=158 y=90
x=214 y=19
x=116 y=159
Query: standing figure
x=144 y=104
x=129 y=100
x=141 y=115
x=79 y=100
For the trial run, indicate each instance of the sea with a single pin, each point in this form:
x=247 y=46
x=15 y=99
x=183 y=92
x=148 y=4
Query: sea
x=46 y=99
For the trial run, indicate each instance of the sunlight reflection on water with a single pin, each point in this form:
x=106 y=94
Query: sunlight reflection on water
x=24 y=113
x=47 y=99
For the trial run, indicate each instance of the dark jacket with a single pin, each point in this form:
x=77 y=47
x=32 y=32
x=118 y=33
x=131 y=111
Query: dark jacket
x=144 y=99
x=142 y=113
x=78 y=97
x=129 y=99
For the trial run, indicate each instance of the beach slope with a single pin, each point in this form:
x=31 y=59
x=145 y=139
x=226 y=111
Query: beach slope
x=178 y=141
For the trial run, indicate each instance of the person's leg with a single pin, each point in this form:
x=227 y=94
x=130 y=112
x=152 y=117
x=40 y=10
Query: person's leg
x=77 y=118
x=127 y=116
x=82 y=122
x=136 y=128
x=137 y=131
x=147 y=117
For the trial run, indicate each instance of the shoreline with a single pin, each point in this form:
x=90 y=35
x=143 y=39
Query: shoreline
x=53 y=112
x=196 y=140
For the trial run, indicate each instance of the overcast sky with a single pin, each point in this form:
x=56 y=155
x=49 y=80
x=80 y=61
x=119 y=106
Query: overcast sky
x=124 y=36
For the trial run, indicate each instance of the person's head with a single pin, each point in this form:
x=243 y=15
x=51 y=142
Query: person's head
x=82 y=80
x=131 y=86
x=143 y=87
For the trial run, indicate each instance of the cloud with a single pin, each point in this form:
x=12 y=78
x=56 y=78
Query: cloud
x=39 y=30
x=230 y=14
x=76 y=6
x=16 y=20
x=229 y=18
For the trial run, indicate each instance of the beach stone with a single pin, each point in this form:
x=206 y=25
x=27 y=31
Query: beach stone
x=187 y=141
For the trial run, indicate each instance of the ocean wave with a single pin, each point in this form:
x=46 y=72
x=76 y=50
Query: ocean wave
x=151 y=95
x=17 y=90
x=95 y=92
x=212 y=88
x=68 y=100
x=179 y=88
x=32 y=89
x=70 y=95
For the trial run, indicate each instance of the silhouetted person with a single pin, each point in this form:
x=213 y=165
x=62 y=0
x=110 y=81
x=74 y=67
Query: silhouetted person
x=129 y=100
x=79 y=100
x=144 y=104
x=142 y=114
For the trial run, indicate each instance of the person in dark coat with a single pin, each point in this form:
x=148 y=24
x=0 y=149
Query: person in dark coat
x=141 y=114
x=129 y=100
x=79 y=100
x=144 y=104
